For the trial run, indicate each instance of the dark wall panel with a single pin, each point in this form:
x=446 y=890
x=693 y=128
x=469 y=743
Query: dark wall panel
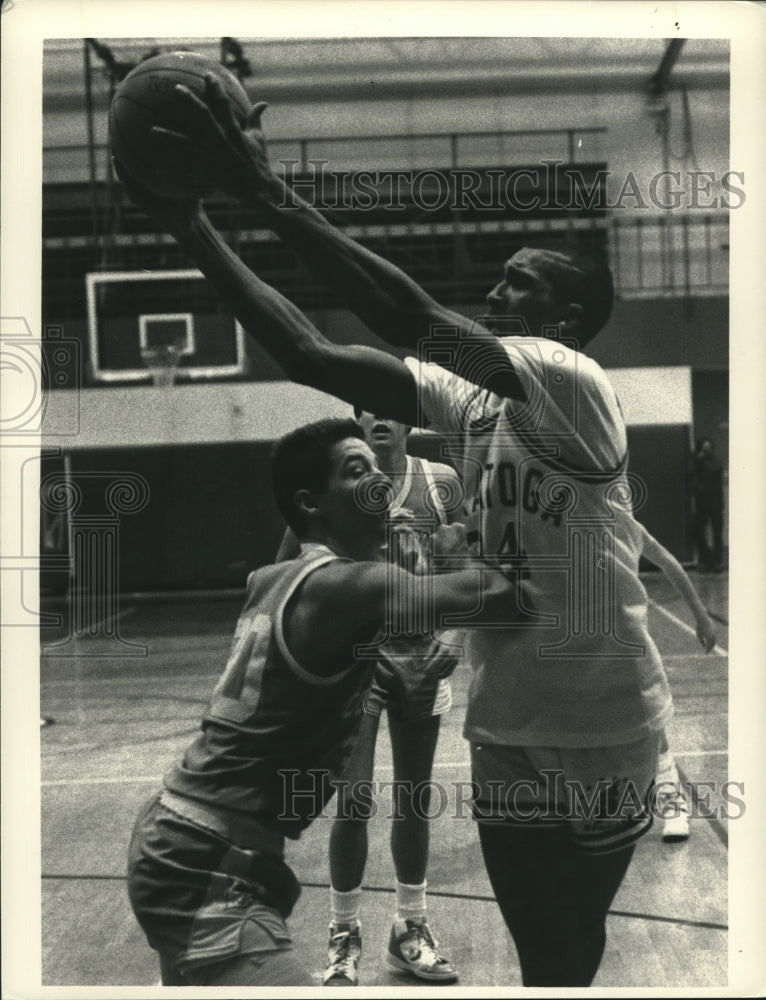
x=658 y=457
x=210 y=518
x=710 y=403
x=658 y=454
x=665 y=332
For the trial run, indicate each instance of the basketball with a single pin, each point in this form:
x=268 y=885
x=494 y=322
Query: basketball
x=146 y=98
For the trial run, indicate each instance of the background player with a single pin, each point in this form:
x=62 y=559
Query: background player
x=707 y=490
x=542 y=436
x=207 y=878
x=671 y=802
x=411 y=683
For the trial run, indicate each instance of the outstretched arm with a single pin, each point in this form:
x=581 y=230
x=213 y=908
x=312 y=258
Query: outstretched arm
x=674 y=571
x=380 y=592
x=389 y=302
x=361 y=375
x=343 y=601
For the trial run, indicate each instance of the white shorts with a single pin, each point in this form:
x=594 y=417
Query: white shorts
x=411 y=678
x=410 y=693
x=605 y=793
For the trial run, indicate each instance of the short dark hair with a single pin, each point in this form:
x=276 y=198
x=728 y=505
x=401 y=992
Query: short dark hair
x=359 y=410
x=301 y=461
x=592 y=288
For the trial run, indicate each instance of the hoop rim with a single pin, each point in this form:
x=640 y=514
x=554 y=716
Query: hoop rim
x=162 y=360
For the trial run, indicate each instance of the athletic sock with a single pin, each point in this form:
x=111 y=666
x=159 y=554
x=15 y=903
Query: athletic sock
x=345 y=907
x=410 y=901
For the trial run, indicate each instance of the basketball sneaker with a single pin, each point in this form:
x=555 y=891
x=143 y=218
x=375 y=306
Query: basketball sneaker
x=674 y=813
x=343 y=955
x=412 y=948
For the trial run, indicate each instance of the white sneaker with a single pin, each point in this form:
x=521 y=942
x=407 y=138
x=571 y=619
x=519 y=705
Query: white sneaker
x=412 y=948
x=343 y=955
x=674 y=812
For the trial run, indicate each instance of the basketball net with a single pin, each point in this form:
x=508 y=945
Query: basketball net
x=162 y=362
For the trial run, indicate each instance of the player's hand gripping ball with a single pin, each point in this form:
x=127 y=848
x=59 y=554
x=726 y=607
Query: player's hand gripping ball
x=146 y=99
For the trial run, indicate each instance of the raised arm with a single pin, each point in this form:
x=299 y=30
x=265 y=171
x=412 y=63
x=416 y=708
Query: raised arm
x=389 y=302
x=363 y=376
x=675 y=574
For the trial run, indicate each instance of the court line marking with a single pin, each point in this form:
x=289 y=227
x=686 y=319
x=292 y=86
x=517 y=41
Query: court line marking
x=687 y=656
x=137 y=679
x=187 y=596
x=718 y=618
x=212 y=676
x=116 y=617
x=127 y=780
x=718 y=828
x=687 y=628
x=474 y=897
x=145 y=778
x=137 y=779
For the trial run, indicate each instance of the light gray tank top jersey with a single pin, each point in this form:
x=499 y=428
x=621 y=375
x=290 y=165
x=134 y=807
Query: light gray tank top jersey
x=273 y=734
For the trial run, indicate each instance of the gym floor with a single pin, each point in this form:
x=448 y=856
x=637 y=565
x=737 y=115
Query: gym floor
x=121 y=720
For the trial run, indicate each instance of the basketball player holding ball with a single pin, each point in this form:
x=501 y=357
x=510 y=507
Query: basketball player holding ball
x=564 y=719
x=146 y=99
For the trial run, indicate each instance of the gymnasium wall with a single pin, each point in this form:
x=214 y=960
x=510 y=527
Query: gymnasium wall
x=325 y=89
x=210 y=517
x=203 y=449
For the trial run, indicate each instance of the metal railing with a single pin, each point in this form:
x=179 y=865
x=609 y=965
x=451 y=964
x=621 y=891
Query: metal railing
x=455 y=254
x=653 y=256
x=73 y=163
x=673 y=254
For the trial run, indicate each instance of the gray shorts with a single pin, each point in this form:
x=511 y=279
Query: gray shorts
x=202 y=900
x=605 y=793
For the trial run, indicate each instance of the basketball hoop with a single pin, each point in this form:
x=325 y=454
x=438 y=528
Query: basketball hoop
x=162 y=362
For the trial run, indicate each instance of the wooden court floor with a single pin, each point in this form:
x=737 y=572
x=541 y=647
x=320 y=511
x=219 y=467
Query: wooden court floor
x=120 y=720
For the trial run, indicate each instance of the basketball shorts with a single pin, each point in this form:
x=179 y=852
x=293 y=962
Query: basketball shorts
x=201 y=900
x=604 y=793
x=412 y=686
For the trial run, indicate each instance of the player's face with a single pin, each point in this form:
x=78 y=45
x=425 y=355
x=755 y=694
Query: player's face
x=526 y=293
x=355 y=505
x=383 y=434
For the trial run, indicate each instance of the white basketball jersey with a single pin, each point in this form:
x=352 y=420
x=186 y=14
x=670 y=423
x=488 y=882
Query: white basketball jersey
x=544 y=480
x=419 y=491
